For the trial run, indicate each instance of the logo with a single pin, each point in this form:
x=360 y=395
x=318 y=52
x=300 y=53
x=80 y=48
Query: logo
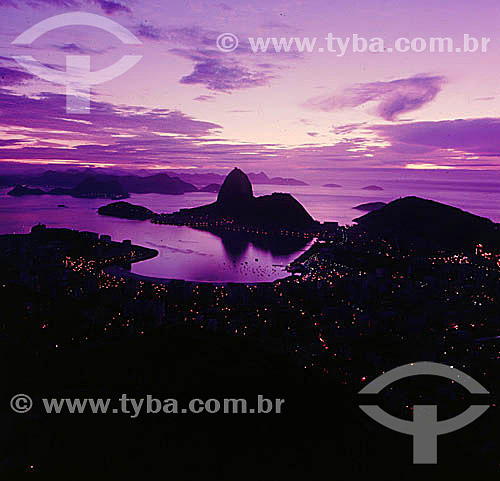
x=77 y=77
x=227 y=42
x=21 y=403
x=425 y=428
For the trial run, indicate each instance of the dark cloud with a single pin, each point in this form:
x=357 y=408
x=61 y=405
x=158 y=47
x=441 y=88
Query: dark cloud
x=111 y=7
x=347 y=128
x=217 y=71
x=205 y=98
x=479 y=136
x=129 y=135
x=146 y=30
x=75 y=48
x=48 y=111
x=216 y=74
x=10 y=77
x=8 y=142
x=189 y=36
x=108 y=6
x=392 y=98
x=122 y=135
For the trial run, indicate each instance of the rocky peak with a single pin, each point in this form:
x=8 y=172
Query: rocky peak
x=235 y=189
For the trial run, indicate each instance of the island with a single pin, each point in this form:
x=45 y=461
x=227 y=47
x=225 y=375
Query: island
x=372 y=187
x=21 y=190
x=125 y=210
x=262 y=178
x=369 y=206
x=93 y=183
x=213 y=188
x=89 y=188
x=202 y=179
x=332 y=185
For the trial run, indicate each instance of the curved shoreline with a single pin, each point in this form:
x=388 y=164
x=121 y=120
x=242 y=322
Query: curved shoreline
x=122 y=272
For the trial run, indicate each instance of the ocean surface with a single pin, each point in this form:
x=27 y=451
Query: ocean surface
x=191 y=254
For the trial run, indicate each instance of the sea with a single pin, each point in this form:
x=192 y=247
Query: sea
x=195 y=255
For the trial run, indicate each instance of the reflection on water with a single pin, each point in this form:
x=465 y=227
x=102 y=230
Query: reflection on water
x=195 y=255
x=184 y=253
x=226 y=257
x=237 y=244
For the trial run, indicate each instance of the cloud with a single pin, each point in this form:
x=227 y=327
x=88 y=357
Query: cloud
x=188 y=36
x=347 y=128
x=112 y=135
x=219 y=75
x=11 y=74
x=111 y=7
x=215 y=70
x=312 y=134
x=146 y=30
x=48 y=113
x=205 y=98
x=39 y=130
x=11 y=77
x=8 y=142
x=392 y=98
x=480 y=136
x=74 y=48
x=108 y=6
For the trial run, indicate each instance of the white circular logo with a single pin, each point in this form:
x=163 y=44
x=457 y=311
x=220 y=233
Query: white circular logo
x=227 y=42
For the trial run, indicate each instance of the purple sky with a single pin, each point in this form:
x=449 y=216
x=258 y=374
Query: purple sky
x=187 y=105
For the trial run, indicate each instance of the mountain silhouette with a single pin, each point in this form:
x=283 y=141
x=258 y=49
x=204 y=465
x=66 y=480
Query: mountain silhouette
x=236 y=202
x=422 y=222
x=236 y=190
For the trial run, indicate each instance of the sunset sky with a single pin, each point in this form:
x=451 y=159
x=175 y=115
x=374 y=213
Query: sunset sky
x=187 y=105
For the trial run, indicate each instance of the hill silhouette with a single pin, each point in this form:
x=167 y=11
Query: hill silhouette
x=413 y=220
x=21 y=190
x=125 y=210
x=236 y=190
x=80 y=182
x=213 y=188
